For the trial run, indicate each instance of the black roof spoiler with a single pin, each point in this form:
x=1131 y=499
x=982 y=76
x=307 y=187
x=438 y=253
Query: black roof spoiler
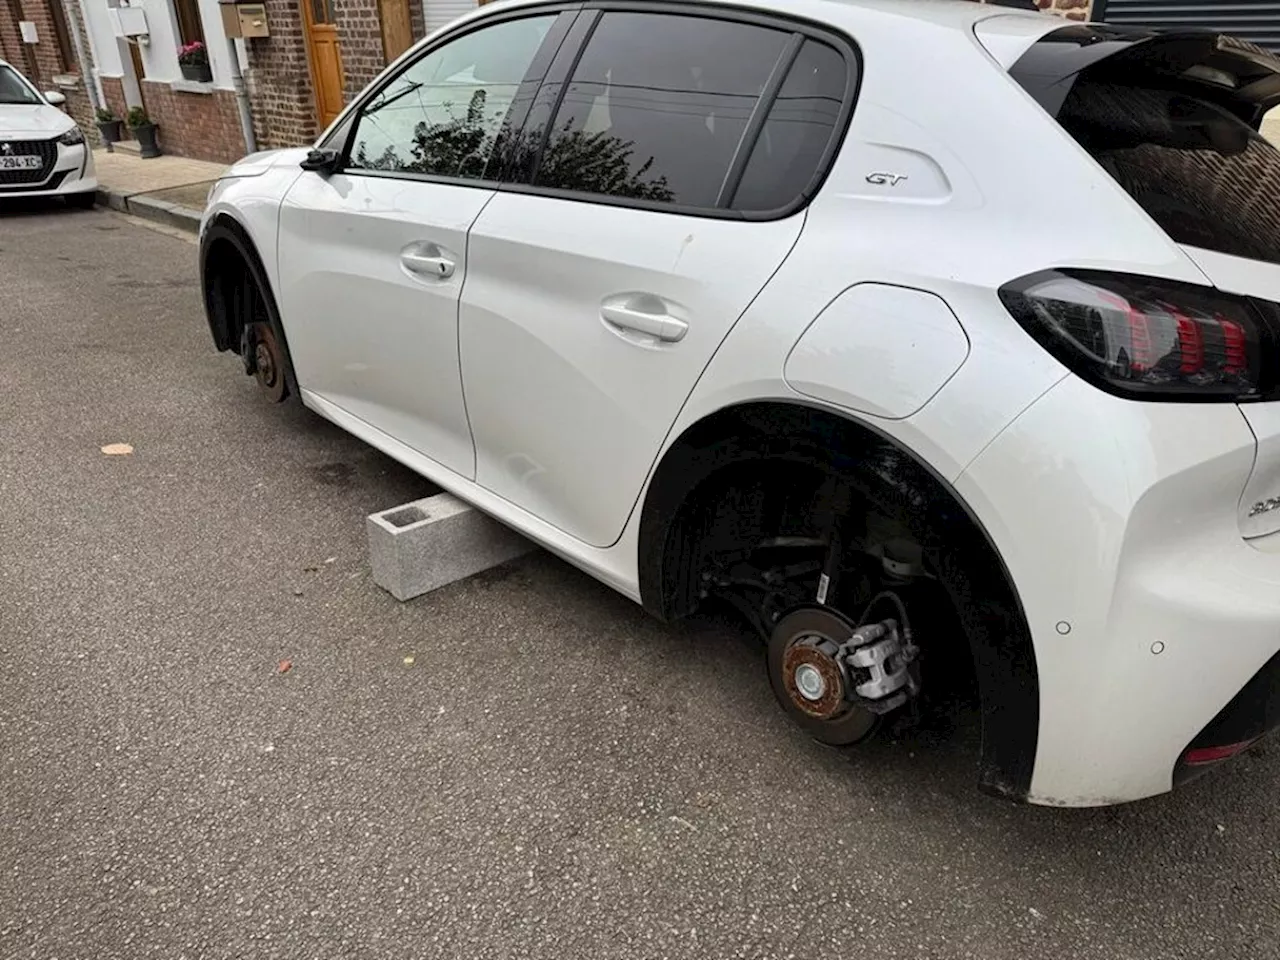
x=1238 y=76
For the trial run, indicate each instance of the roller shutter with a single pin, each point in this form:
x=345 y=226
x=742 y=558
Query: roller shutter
x=437 y=13
x=1254 y=20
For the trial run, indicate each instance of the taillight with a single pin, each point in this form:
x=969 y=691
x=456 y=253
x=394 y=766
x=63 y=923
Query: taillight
x=1203 y=755
x=1152 y=339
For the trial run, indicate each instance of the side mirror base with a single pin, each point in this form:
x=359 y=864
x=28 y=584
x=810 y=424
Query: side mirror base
x=323 y=162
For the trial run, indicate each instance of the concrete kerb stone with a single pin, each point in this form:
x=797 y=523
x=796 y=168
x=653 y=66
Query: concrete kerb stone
x=149 y=208
x=421 y=546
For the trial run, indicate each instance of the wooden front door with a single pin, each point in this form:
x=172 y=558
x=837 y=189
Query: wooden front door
x=325 y=58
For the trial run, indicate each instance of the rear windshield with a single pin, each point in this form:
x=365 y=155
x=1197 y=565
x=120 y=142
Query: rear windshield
x=1190 y=160
x=1199 y=172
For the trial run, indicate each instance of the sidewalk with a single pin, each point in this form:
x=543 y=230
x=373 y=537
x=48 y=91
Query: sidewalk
x=171 y=190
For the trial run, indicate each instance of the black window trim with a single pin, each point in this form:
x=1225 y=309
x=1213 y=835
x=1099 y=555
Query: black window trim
x=804 y=29
x=574 y=34
x=343 y=134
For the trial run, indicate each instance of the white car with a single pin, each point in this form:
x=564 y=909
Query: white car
x=42 y=151
x=906 y=327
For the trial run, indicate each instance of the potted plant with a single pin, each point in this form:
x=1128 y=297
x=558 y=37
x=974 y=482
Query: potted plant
x=144 y=131
x=108 y=125
x=193 y=59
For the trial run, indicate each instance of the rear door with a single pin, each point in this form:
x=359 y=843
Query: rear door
x=665 y=181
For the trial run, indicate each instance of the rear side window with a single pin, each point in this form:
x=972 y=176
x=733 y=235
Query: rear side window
x=796 y=133
x=657 y=106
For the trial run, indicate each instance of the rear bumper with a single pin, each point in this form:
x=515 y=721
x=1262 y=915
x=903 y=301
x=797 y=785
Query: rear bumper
x=72 y=172
x=1153 y=621
x=1252 y=714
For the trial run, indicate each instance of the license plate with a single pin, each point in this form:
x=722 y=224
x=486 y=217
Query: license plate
x=20 y=163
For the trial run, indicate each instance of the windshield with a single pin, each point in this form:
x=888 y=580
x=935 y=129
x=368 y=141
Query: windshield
x=13 y=89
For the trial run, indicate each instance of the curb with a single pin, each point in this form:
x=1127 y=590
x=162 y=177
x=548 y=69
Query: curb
x=148 y=208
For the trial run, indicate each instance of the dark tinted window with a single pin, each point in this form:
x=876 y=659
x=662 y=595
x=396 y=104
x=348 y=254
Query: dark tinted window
x=657 y=106
x=442 y=115
x=1206 y=177
x=1166 y=115
x=796 y=132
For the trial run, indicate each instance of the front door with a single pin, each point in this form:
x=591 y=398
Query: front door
x=598 y=293
x=325 y=58
x=372 y=258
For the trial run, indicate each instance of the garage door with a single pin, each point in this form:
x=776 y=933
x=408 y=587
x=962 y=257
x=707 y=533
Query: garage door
x=437 y=13
x=1255 y=20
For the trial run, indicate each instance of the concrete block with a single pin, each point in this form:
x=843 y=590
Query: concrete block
x=419 y=546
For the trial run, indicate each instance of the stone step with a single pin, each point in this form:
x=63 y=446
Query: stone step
x=131 y=147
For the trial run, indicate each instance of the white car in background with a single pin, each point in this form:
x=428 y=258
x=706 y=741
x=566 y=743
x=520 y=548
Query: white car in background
x=907 y=328
x=42 y=151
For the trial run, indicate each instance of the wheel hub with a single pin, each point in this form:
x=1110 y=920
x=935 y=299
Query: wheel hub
x=813 y=679
x=809 y=682
x=267 y=368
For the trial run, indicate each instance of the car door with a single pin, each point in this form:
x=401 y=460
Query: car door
x=372 y=257
x=679 y=149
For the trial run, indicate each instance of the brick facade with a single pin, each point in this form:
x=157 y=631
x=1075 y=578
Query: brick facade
x=284 y=110
x=44 y=60
x=201 y=125
x=1072 y=9
x=113 y=91
x=360 y=34
x=279 y=77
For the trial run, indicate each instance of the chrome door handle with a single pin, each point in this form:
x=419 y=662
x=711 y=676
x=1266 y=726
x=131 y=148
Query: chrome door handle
x=428 y=265
x=663 y=326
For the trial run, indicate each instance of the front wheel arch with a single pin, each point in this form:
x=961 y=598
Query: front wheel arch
x=228 y=254
x=700 y=467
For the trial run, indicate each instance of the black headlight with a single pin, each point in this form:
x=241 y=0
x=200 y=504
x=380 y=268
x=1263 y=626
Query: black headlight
x=71 y=137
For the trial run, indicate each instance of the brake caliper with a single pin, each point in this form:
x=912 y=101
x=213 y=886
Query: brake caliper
x=877 y=663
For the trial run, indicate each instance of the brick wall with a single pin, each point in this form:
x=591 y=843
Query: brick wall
x=83 y=112
x=279 y=77
x=360 y=38
x=113 y=90
x=279 y=80
x=1073 y=9
x=11 y=46
x=201 y=125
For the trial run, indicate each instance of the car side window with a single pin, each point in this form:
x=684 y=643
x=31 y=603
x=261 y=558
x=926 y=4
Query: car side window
x=657 y=106
x=796 y=132
x=442 y=115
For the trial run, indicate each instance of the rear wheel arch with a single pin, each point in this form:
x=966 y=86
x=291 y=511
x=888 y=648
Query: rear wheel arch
x=741 y=444
x=228 y=256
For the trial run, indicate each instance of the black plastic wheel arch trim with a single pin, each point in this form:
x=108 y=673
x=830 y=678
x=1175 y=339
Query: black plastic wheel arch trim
x=1003 y=655
x=227 y=229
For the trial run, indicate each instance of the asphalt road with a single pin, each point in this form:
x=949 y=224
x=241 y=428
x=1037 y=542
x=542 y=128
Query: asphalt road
x=554 y=775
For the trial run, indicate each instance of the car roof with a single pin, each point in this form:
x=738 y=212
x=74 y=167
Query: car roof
x=957 y=14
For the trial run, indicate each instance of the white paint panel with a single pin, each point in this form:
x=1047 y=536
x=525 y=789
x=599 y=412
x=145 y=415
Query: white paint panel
x=880 y=350
x=216 y=40
x=102 y=38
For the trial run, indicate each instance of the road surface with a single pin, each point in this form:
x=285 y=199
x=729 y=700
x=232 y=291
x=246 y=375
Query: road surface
x=552 y=775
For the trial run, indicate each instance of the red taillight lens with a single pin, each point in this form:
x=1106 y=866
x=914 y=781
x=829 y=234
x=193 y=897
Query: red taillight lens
x=1152 y=339
x=1203 y=755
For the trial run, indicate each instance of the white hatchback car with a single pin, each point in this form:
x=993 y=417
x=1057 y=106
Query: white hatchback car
x=905 y=327
x=42 y=151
